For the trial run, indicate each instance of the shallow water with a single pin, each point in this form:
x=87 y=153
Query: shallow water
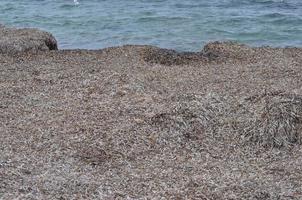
x=176 y=24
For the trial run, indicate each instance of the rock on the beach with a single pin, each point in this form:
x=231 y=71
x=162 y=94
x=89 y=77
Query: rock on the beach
x=13 y=40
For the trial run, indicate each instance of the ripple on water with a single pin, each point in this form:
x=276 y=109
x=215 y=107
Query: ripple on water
x=178 y=24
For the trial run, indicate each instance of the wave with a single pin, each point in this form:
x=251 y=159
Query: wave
x=68 y=6
x=161 y=18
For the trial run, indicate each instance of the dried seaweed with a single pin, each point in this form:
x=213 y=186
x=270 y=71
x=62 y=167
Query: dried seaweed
x=139 y=122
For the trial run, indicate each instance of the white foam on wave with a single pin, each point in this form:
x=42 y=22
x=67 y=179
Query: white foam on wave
x=76 y=2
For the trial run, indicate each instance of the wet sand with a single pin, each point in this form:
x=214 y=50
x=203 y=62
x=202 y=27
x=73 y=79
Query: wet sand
x=140 y=122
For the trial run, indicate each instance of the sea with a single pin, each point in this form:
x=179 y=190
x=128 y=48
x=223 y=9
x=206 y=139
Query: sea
x=184 y=25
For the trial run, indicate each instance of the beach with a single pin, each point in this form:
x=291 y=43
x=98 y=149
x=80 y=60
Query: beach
x=142 y=122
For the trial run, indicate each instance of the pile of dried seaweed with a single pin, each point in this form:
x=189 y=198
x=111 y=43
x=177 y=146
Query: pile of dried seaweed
x=140 y=122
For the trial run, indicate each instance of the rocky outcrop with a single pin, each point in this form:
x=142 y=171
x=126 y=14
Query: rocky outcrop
x=13 y=40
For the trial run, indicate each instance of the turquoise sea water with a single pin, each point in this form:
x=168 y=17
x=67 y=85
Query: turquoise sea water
x=176 y=24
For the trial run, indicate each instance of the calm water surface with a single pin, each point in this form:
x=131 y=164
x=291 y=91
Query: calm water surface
x=177 y=24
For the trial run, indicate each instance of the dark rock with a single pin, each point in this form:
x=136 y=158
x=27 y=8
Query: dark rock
x=14 y=40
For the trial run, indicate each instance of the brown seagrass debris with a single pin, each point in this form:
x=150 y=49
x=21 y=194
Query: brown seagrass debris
x=212 y=52
x=13 y=40
x=276 y=121
x=108 y=124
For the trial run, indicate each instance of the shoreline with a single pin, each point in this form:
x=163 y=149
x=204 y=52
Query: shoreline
x=50 y=41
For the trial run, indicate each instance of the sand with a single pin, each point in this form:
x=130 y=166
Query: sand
x=140 y=122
